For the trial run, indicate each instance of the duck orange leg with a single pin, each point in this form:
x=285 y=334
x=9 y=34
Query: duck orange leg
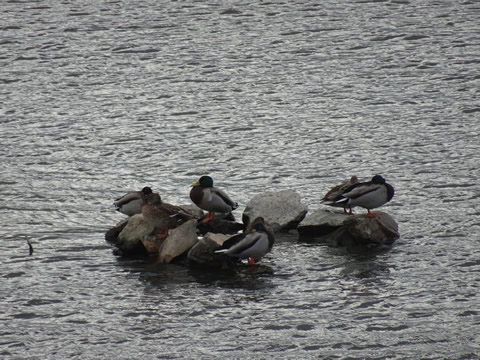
x=371 y=214
x=251 y=261
x=162 y=235
x=210 y=216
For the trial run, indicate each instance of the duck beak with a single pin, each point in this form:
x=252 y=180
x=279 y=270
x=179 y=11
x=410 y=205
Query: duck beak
x=196 y=184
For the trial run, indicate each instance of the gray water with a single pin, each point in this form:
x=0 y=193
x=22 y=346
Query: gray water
x=98 y=98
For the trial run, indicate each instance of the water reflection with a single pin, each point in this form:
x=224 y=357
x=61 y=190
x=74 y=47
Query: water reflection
x=241 y=276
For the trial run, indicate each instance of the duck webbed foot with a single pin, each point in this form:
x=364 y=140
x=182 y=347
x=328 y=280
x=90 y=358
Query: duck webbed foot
x=210 y=216
x=163 y=235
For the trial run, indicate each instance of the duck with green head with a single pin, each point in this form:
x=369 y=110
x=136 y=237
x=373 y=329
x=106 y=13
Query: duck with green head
x=210 y=198
x=369 y=195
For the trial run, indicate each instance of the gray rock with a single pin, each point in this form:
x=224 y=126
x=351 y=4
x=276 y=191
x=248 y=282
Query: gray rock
x=283 y=210
x=130 y=238
x=219 y=225
x=339 y=229
x=111 y=235
x=193 y=209
x=203 y=252
x=179 y=240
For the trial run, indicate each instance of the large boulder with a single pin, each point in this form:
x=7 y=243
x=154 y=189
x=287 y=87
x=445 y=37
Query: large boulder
x=340 y=229
x=179 y=240
x=283 y=210
x=203 y=252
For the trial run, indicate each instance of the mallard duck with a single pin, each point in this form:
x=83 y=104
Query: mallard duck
x=253 y=244
x=162 y=215
x=369 y=195
x=335 y=193
x=132 y=202
x=211 y=199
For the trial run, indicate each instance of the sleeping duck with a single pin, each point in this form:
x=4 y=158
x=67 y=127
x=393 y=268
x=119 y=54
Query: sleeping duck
x=211 y=199
x=132 y=202
x=335 y=193
x=253 y=244
x=163 y=216
x=369 y=195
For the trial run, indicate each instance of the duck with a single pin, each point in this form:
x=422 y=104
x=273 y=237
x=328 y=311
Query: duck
x=335 y=193
x=132 y=202
x=256 y=241
x=209 y=198
x=368 y=195
x=163 y=216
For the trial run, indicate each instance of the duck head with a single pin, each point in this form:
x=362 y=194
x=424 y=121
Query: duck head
x=377 y=179
x=146 y=191
x=205 y=181
x=259 y=227
x=153 y=199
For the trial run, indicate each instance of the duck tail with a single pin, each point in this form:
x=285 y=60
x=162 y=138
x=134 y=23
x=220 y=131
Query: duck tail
x=220 y=251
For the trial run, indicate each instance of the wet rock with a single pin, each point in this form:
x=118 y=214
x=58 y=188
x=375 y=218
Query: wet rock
x=129 y=238
x=339 y=229
x=111 y=235
x=203 y=252
x=220 y=225
x=196 y=212
x=282 y=209
x=179 y=240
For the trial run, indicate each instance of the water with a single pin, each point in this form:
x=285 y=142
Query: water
x=100 y=98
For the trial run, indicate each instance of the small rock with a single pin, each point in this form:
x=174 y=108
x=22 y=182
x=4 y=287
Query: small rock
x=179 y=240
x=220 y=225
x=283 y=210
x=203 y=252
x=130 y=238
x=152 y=244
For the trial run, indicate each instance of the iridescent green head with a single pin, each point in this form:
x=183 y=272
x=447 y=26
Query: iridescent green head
x=205 y=181
x=377 y=179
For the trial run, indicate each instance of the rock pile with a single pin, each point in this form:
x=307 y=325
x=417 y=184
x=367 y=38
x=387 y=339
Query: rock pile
x=195 y=242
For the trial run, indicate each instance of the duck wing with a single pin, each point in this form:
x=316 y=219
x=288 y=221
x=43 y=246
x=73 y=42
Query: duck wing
x=215 y=192
x=362 y=189
x=252 y=244
x=336 y=192
x=125 y=199
x=176 y=212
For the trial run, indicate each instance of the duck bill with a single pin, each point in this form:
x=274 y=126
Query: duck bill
x=196 y=184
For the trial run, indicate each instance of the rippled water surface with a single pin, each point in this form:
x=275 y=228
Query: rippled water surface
x=98 y=98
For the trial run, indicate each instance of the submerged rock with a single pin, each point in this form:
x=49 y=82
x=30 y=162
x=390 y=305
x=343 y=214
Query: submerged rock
x=339 y=229
x=283 y=210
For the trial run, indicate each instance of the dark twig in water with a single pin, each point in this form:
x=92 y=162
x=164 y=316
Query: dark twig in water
x=30 y=247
